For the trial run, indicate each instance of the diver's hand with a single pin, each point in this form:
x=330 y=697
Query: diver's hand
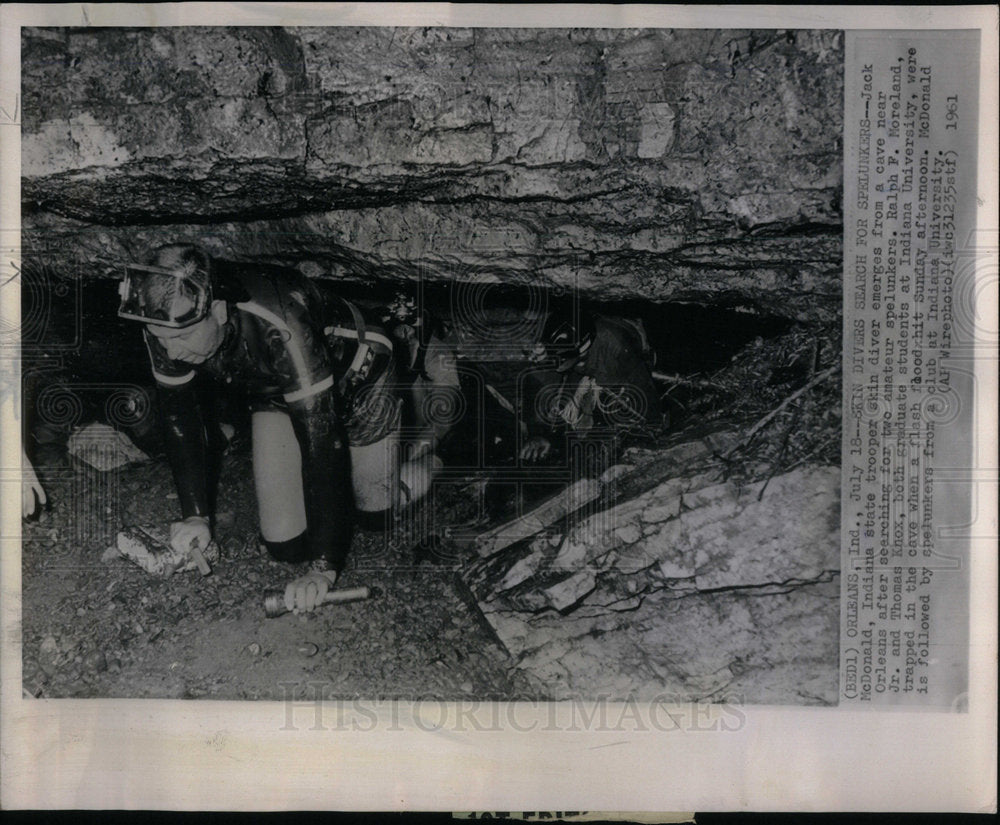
x=192 y=530
x=304 y=594
x=536 y=449
x=33 y=496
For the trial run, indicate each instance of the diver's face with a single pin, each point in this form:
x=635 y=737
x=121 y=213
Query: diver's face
x=194 y=344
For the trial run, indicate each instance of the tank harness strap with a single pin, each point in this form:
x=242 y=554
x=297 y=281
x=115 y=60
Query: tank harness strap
x=363 y=359
x=359 y=321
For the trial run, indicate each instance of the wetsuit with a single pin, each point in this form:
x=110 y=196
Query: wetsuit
x=610 y=386
x=274 y=345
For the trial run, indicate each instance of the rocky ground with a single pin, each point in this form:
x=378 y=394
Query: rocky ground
x=714 y=575
x=94 y=627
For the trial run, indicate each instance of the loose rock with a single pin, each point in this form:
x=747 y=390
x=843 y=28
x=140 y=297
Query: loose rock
x=97 y=661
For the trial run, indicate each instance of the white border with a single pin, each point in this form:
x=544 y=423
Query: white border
x=226 y=756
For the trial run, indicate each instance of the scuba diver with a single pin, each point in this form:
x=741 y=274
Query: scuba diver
x=325 y=414
x=592 y=375
x=428 y=370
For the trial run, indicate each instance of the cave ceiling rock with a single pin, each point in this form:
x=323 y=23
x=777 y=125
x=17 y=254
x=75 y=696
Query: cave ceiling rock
x=591 y=159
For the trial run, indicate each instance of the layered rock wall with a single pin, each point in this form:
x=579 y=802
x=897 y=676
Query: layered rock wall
x=667 y=165
x=695 y=590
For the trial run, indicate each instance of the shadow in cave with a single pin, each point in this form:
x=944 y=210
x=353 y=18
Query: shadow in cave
x=72 y=335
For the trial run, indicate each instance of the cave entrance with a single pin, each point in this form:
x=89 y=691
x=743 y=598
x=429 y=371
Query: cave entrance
x=688 y=338
x=715 y=368
x=69 y=332
x=690 y=342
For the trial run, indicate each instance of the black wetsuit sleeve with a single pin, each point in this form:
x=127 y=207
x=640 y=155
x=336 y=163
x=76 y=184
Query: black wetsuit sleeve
x=326 y=479
x=186 y=447
x=183 y=428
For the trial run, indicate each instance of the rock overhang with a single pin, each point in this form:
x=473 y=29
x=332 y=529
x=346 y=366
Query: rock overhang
x=653 y=164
